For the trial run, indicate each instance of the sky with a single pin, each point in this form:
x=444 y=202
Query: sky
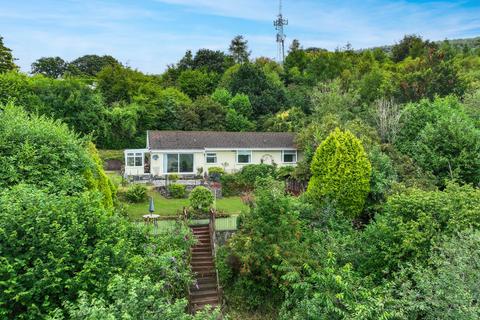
x=150 y=34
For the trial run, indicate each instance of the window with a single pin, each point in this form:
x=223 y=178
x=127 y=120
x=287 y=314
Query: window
x=179 y=163
x=289 y=156
x=244 y=156
x=211 y=158
x=186 y=162
x=134 y=159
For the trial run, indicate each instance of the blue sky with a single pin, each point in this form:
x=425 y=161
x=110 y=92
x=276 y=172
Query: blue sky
x=149 y=34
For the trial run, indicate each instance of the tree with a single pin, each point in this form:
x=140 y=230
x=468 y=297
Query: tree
x=446 y=287
x=411 y=224
x=340 y=173
x=241 y=104
x=196 y=83
x=90 y=65
x=237 y=122
x=186 y=62
x=6 y=58
x=52 y=67
x=267 y=240
x=410 y=46
x=442 y=139
x=266 y=97
x=203 y=114
x=211 y=61
x=239 y=49
x=119 y=84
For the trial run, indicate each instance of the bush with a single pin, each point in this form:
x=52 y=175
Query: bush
x=340 y=173
x=285 y=172
x=250 y=173
x=41 y=152
x=177 y=191
x=173 y=177
x=231 y=185
x=54 y=248
x=201 y=199
x=136 y=193
x=215 y=173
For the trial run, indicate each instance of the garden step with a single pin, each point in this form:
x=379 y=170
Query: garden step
x=204 y=293
x=208 y=279
x=212 y=284
x=198 y=301
x=200 y=262
x=210 y=273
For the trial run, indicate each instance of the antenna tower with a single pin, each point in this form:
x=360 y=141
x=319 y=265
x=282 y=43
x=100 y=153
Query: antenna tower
x=279 y=23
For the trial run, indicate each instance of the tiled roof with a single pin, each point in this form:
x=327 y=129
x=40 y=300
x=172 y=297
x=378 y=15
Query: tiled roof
x=172 y=140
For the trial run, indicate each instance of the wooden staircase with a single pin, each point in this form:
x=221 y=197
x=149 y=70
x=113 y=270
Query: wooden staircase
x=206 y=290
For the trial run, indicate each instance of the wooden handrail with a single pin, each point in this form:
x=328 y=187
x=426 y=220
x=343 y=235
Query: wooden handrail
x=211 y=228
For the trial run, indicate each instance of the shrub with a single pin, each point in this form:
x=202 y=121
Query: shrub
x=53 y=247
x=41 y=152
x=250 y=173
x=177 y=191
x=214 y=170
x=340 y=173
x=285 y=172
x=136 y=193
x=173 y=177
x=231 y=185
x=201 y=199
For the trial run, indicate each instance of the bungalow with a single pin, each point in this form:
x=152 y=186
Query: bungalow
x=187 y=153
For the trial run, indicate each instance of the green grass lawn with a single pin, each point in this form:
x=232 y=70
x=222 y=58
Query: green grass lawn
x=170 y=207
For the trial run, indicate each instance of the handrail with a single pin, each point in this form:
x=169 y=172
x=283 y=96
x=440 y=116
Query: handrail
x=211 y=228
x=185 y=220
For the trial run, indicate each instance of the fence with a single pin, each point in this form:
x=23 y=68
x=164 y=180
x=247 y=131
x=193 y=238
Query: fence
x=221 y=224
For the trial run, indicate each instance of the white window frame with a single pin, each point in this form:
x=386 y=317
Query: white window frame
x=243 y=152
x=165 y=163
x=211 y=155
x=294 y=152
x=135 y=156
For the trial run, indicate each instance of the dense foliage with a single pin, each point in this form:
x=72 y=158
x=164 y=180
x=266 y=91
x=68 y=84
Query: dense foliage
x=341 y=173
x=389 y=227
x=65 y=251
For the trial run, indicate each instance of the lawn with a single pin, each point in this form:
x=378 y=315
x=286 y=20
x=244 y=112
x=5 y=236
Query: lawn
x=169 y=207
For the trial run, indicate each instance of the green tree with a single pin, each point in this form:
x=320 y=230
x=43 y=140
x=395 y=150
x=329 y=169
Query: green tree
x=446 y=287
x=211 y=61
x=6 y=58
x=411 y=224
x=52 y=67
x=203 y=114
x=267 y=239
x=265 y=96
x=196 y=83
x=91 y=64
x=239 y=49
x=341 y=173
x=442 y=139
x=410 y=46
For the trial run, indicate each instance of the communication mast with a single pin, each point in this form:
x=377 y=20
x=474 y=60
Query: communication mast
x=279 y=23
